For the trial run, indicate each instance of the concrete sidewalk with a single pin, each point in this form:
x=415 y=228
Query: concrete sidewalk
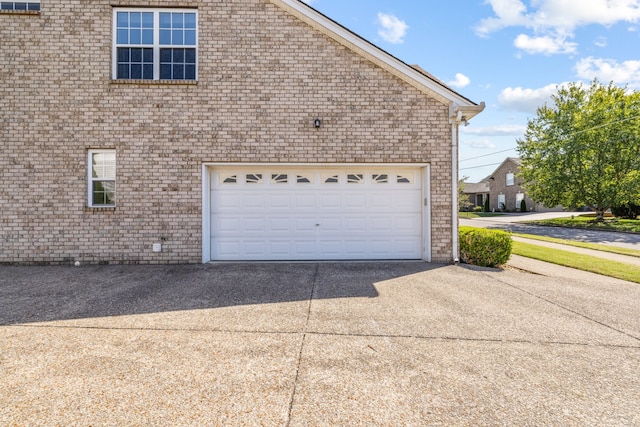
x=316 y=344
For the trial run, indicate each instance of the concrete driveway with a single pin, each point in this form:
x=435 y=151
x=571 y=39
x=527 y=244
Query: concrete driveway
x=316 y=345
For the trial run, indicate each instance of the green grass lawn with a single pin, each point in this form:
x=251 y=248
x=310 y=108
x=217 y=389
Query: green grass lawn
x=588 y=221
x=582 y=262
x=470 y=215
x=586 y=245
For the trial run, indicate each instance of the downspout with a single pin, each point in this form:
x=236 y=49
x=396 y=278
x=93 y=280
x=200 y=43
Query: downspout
x=455 y=241
x=458 y=114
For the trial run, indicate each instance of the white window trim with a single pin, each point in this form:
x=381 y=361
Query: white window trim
x=156 y=39
x=28 y=3
x=91 y=179
x=512 y=181
x=502 y=200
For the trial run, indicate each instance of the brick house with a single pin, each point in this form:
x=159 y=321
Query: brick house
x=476 y=193
x=506 y=191
x=181 y=132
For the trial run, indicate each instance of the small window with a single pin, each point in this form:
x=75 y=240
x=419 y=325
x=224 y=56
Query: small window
x=330 y=179
x=20 y=5
x=380 y=178
x=502 y=202
x=303 y=180
x=404 y=180
x=102 y=178
x=155 y=44
x=279 y=178
x=253 y=178
x=355 y=178
x=229 y=179
x=510 y=179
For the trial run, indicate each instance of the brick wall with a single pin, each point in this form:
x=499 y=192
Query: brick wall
x=263 y=77
x=498 y=185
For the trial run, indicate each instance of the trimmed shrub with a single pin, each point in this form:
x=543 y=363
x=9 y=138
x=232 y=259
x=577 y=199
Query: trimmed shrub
x=628 y=211
x=486 y=204
x=484 y=247
x=477 y=208
x=523 y=206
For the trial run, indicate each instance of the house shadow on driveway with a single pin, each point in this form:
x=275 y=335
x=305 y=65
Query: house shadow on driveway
x=51 y=293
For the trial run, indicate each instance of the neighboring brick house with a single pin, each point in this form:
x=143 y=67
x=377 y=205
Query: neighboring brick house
x=476 y=193
x=506 y=191
x=187 y=131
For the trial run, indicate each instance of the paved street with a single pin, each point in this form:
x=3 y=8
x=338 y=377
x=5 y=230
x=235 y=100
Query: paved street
x=326 y=344
x=510 y=222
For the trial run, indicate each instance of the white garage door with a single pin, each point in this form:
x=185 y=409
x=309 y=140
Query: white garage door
x=284 y=213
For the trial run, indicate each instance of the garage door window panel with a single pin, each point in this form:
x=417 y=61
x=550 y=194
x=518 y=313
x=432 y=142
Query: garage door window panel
x=330 y=179
x=228 y=179
x=380 y=178
x=253 y=178
x=353 y=178
x=401 y=179
x=279 y=178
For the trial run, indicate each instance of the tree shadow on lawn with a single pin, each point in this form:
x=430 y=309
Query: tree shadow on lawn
x=47 y=293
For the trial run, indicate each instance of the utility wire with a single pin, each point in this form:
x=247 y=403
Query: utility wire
x=567 y=136
x=480 y=166
x=487 y=155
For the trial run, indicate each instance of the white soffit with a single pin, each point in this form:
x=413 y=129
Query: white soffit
x=373 y=53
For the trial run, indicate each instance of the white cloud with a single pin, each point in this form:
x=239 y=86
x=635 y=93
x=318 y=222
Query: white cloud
x=526 y=100
x=483 y=143
x=545 y=45
x=601 y=42
x=509 y=13
x=460 y=81
x=552 y=22
x=570 y=14
x=561 y=15
x=392 y=29
x=607 y=70
x=500 y=130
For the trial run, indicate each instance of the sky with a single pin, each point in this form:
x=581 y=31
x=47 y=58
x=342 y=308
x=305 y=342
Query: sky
x=510 y=54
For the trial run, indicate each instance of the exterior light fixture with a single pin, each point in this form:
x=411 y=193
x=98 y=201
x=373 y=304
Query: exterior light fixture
x=317 y=123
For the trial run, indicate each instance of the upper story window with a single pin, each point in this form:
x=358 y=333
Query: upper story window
x=155 y=44
x=20 y=5
x=510 y=179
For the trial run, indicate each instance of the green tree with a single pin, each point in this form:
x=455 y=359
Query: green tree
x=463 y=200
x=583 y=151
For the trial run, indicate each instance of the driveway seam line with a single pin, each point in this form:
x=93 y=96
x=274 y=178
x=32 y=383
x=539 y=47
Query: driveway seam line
x=302 y=342
x=584 y=316
x=338 y=334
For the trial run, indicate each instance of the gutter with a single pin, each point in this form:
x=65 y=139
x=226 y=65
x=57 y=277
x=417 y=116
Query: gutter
x=458 y=115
